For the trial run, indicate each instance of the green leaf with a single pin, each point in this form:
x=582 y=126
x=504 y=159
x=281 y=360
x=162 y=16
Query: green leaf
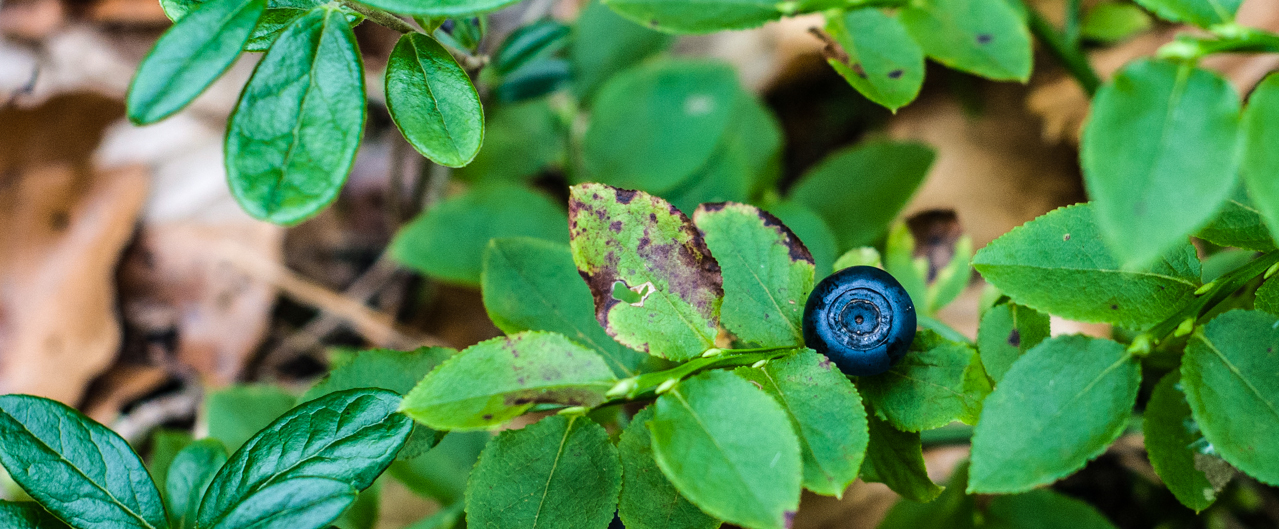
x=767 y=272
x=1110 y=22
x=527 y=43
x=278 y=15
x=536 y=79
x=440 y=8
x=343 y=441
x=1043 y=509
x=827 y=415
x=520 y=141
x=190 y=56
x=632 y=241
x=165 y=445
x=950 y=280
x=1199 y=12
x=448 y=241
x=559 y=473
x=653 y=126
x=863 y=256
x=1224 y=262
x=1006 y=332
x=812 y=231
x=936 y=383
x=982 y=37
x=745 y=476
x=896 y=458
x=649 y=500
x=236 y=413
x=188 y=477
x=1033 y=432
x=1170 y=431
x=293 y=136
x=1268 y=297
x=76 y=468
x=876 y=55
x=1058 y=264
x=604 y=44
x=703 y=16
x=1260 y=161
x=441 y=473
x=302 y=502
x=859 y=190
x=1160 y=155
x=1228 y=374
x=1240 y=225
x=533 y=285
x=952 y=509
x=432 y=101
x=27 y=515
x=747 y=160
x=497 y=380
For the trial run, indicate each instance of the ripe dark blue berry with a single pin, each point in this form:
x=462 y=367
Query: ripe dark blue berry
x=861 y=318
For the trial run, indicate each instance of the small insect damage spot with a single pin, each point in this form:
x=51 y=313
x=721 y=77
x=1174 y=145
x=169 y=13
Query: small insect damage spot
x=488 y=416
x=1065 y=237
x=984 y=38
x=615 y=226
x=1114 y=306
x=896 y=74
x=936 y=231
x=859 y=70
x=789 y=519
x=824 y=363
x=1014 y=338
x=636 y=295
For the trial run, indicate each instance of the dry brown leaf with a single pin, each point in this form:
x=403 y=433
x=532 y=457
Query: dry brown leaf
x=63 y=232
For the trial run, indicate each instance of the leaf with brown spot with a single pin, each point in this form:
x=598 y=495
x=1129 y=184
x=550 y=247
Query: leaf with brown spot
x=656 y=251
x=500 y=379
x=767 y=271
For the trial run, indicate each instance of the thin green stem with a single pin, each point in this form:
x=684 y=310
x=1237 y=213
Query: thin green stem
x=1208 y=297
x=380 y=17
x=1074 y=12
x=1061 y=47
x=647 y=385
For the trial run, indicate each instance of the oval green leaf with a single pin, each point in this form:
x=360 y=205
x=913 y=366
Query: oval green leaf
x=656 y=287
x=703 y=16
x=1160 y=155
x=827 y=415
x=432 y=101
x=1058 y=264
x=767 y=272
x=859 y=190
x=896 y=459
x=293 y=136
x=605 y=43
x=876 y=55
x=1006 y=332
x=76 y=468
x=448 y=241
x=497 y=380
x=188 y=477
x=1031 y=433
x=190 y=56
x=747 y=476
x=938 y=382
x=440 y=8
x=561 y=473
x=1202 y=13
x=983 y=37
x=1228 y=374
x=1240 y=225
x=348 y=437
x=649 y=500
x=533 y=285
x=1170 y=430
x=1260 y=159
x=653 y=126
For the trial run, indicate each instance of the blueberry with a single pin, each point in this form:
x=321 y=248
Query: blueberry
x=861 y=318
